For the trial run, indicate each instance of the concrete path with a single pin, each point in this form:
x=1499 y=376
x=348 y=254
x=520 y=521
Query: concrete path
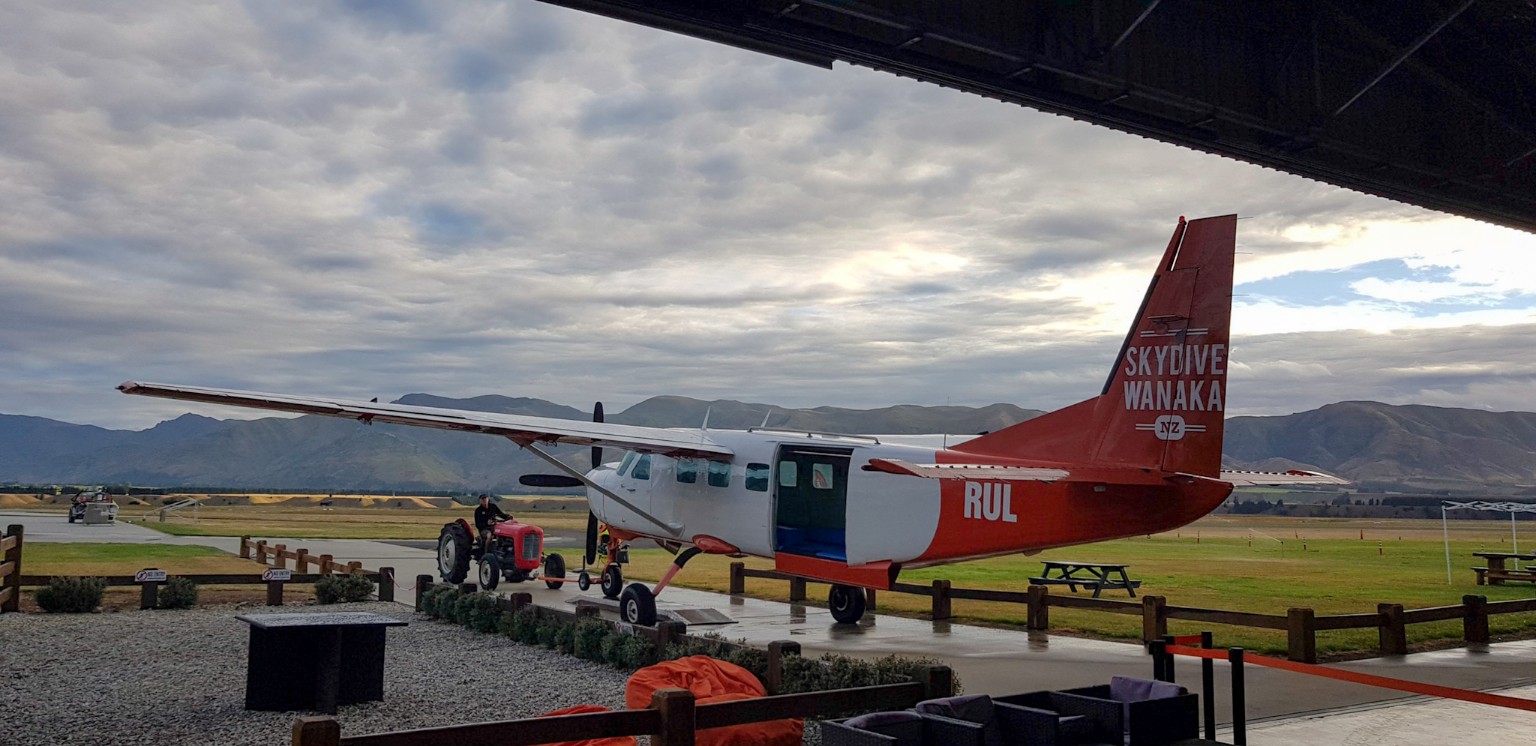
x=1283 y=707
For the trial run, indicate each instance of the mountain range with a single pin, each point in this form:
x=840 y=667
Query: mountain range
x=1377 y=445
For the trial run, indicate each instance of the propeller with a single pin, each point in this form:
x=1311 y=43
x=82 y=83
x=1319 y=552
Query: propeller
x=597 y=460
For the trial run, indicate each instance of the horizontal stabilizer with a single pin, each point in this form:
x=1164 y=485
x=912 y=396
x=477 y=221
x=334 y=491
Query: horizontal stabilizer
x=1278 y=478
x=966 y=471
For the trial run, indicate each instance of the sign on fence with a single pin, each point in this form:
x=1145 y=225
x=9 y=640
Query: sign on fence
x=277 y=574
x=149 y=576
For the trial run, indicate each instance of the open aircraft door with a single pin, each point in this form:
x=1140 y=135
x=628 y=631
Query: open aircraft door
x=810 y=491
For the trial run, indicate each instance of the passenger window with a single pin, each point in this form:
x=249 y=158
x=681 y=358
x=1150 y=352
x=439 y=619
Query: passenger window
x=821 y=476
x=787 y=473
x=757 y=477
x=629 y=458
x=719 y=474
x=688 y=470
x=642 y=467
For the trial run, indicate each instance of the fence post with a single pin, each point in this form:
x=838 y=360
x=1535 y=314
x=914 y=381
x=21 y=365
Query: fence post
x=1393 y=630
x=1039 y=610
x=354 y=568
x=13 y=556
x=1208 y=687
x=738 y=580
x=1154 y=617
x=274 y=593
x=938 y=681
x=677 y=717
x=667 y=632
x=1301 y=635
x=325 y=565
x=467 y=588
x=277 y=555
x=149 y=594
x=1159 y=651
x=941 y=603
x=386 y=584
x=423 y=584
x=245 y=547
x=519 y=600
x=301 y=561
x=1239 y=698
x=261 y=551
x=796 y=590
x=869 y=599
x=776 y=652
x=1474 y=620
x=316 y=731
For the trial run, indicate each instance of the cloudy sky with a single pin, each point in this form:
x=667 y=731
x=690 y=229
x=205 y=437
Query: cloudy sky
x=369 y=199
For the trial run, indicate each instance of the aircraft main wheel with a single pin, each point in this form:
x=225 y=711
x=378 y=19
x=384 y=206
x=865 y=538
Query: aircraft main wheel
x=453 y=547
x=583 y=580
x=847 y=603
x=490 y=572
x=554 y=571
x=613 y=582
x=637 y=605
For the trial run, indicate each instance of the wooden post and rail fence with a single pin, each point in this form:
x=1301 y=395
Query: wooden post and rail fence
x=10 y=568
x=1301 y=625
x=149 y=580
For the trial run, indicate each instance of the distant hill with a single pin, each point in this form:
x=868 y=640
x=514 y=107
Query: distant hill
x=1374 y=444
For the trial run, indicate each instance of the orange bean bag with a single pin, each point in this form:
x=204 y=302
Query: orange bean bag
x=579 y=709
x=713 y=680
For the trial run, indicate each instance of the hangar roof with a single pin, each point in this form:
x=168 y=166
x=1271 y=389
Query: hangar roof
x=1431 y=102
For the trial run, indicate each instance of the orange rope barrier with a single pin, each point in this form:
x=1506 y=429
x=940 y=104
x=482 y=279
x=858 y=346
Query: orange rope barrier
x=1412 y=687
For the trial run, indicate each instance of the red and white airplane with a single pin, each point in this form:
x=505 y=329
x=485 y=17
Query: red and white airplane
x=1141 y=457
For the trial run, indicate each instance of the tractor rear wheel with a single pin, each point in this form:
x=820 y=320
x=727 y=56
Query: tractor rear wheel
x=846 y=603
x=613 y=582
x=637 y=605
x=453 y=547
x=554 y=571
x=490 y=572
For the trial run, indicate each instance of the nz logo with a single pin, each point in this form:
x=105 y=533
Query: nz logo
x=1170 y=427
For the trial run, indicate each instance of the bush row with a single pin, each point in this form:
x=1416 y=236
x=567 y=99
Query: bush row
x=83 y=595
x=597 y=640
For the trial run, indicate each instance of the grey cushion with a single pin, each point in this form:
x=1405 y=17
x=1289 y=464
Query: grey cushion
x=1127 y=689
x=972 y=708
x=905 y=727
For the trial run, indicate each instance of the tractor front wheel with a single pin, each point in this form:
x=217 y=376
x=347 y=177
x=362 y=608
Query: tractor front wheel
x=554 y=571
x=490 y=572
x=583 y=580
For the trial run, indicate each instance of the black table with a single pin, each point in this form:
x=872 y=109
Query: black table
x=315 y=661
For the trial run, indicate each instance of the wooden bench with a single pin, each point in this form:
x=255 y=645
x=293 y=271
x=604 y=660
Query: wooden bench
x=1486 y=576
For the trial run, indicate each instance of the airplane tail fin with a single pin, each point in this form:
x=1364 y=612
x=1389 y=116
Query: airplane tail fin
x=1164 y=403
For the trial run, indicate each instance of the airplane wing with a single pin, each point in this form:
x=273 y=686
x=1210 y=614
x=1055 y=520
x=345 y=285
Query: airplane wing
x=1278 y=478
x=521 y=429
x=966 y=471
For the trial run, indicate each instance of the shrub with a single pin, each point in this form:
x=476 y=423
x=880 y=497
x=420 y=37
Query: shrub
x=177 y=593
x=504 y=624
x=636 y=652
x=457 y=611
x=588 y=642
x=480 y=612
x=436 y=598
x=71 y=595
x=611 y=648
x=342 y=589
x=545 y=631
x=565 y=637
x=752 y=659
x=525 y=625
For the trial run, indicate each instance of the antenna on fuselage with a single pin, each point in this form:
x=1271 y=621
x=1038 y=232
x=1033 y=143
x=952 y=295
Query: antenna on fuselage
x=768 y=414
x=705 y=426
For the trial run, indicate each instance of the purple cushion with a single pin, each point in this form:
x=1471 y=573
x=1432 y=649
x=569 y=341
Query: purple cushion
x=1127 y=689
x=905 y=727
x=972 y=708
x=876 y=719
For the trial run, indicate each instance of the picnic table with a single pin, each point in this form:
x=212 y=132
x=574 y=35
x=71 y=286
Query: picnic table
x=1095 y=575
x=315 y=661
x=1496 y=572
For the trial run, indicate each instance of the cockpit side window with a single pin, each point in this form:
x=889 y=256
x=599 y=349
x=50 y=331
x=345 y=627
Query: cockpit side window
x=629 y=458
x=642 y=468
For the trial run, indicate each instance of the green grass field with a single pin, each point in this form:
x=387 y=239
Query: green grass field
x=125 y=559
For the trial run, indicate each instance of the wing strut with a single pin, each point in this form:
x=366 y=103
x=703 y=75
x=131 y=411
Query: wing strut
x=558 y=464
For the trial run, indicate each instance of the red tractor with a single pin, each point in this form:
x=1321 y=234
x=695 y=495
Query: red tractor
x=515 y=553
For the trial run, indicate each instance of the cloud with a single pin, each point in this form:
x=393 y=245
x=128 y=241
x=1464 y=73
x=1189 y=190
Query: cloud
x=366 y=200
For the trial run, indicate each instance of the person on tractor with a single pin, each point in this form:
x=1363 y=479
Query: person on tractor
x=486 y=516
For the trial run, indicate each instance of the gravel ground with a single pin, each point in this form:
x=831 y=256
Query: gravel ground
x=178 y=677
